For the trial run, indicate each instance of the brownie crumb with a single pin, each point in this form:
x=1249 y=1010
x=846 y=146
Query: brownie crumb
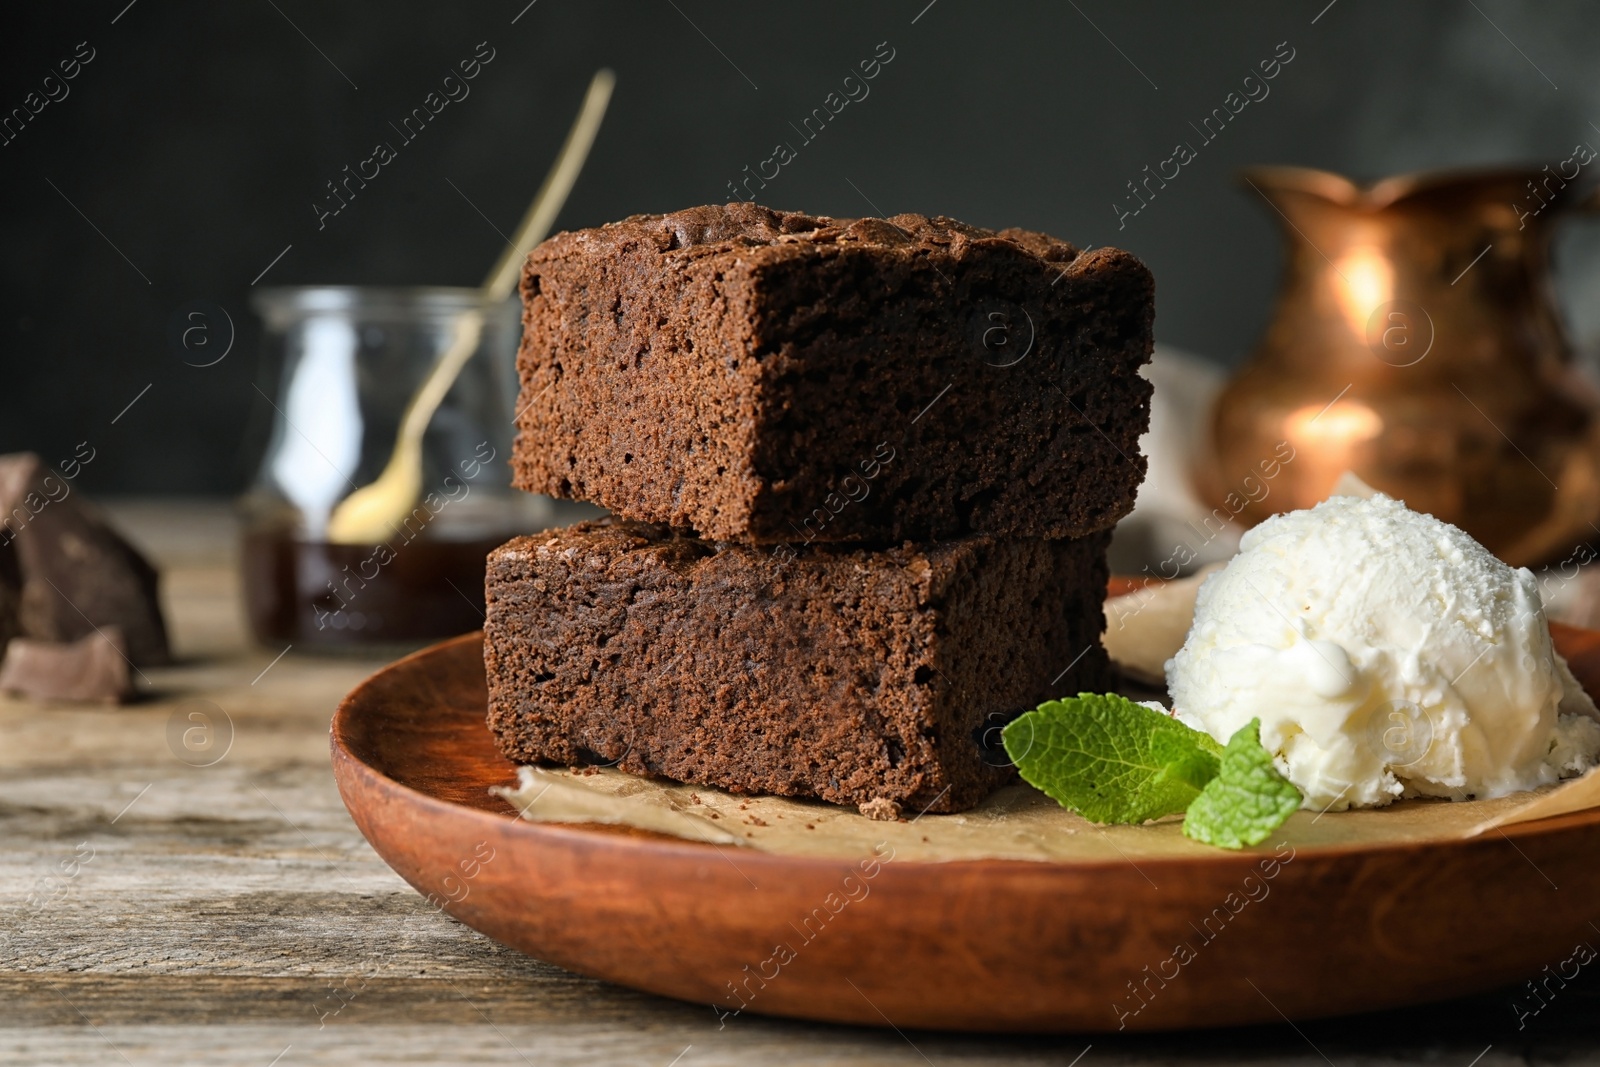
x=880 y=809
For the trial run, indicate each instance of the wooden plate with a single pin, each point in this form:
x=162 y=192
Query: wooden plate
x=987 y=945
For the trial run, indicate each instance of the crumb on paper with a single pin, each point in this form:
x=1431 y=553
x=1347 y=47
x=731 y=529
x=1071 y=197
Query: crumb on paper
x=881 y=809
x=1017 y=824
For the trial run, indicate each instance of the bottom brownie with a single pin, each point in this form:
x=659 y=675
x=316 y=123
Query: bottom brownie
x=867 y=677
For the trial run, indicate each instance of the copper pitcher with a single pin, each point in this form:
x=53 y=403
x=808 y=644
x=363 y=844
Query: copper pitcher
x=1417 y=342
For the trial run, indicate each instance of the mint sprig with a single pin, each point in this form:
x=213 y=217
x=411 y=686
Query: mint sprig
x=1109 y=759
x=1247 y=800
x=1114 y=761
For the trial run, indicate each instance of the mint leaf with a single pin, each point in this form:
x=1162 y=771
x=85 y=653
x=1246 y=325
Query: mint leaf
x=1109 y=759
x=1247 y=800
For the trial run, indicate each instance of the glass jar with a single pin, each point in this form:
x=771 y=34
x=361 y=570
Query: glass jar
x=351 y=359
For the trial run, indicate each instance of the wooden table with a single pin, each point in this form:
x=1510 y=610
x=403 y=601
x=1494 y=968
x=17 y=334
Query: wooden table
x=156 y=911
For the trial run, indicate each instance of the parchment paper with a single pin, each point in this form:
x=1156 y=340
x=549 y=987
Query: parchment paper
x=1017 y=823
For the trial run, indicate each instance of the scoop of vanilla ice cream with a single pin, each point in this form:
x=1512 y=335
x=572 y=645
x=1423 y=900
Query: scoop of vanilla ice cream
x=1386 y=654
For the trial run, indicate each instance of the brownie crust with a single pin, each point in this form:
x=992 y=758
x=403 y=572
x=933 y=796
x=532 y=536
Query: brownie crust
x=765 y=376
x=874 y=678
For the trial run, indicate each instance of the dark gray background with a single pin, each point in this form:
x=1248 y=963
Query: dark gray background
x=197 y=139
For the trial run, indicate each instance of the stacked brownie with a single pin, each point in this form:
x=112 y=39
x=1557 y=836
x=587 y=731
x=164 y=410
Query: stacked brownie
x=863 y=474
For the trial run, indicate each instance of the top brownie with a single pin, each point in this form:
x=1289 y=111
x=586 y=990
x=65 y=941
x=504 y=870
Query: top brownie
x=766 y=376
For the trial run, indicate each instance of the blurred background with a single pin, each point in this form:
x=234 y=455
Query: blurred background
x=185 y=160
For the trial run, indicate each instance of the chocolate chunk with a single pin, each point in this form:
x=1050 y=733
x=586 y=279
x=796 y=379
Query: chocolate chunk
x=76 y=572
x=91 y=669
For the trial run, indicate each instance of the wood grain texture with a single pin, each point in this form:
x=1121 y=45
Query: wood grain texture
x=235 y=911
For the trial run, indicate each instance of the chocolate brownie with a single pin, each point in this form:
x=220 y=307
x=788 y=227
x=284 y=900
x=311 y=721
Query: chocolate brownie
x=869 y=677
x=765 y=376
